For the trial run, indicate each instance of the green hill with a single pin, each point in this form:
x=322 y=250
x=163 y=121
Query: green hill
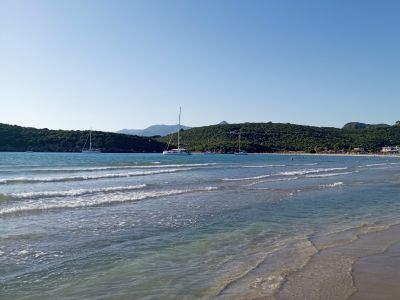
x=255 y=137
x=17 y=138
x=272 y=137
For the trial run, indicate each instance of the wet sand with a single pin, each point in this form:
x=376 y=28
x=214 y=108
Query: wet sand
x=364 y=267
x=378 y=276
x=361 y=263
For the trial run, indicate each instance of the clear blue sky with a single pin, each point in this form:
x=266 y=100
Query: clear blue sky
x=129 y=64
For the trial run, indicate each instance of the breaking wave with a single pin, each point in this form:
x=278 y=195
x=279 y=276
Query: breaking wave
x=77 y=192
x=87 y=177
x=335 y=184
x=308 y=171
x=96 y=200
x=328 y=175
x=261 y=166
x=376 y=165
x=246 y=178
x=286 y=173
x=271 y=180
x=109 y=168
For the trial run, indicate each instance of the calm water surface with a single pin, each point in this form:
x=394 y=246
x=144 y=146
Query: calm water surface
x=147 y=226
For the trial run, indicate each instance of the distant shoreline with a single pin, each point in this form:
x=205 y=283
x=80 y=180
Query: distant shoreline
x=299 y=153
x=336 y=154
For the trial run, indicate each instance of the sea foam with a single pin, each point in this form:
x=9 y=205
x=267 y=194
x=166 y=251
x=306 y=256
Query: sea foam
x=95 y=200
x=76 y=192
x=261 y=166
x=335 y=184
x=108 y=168
x=246 y=178
x=308 y=171
x=376 y=165
x=286 y=173
x=87 y=177
x=328 y=174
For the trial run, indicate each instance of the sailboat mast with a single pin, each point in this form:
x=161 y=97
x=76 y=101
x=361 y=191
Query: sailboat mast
x=239 y=141
x=90 y=140
x=179 y=127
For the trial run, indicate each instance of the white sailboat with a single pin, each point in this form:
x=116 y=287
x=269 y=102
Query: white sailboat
x=240 y=152
x=179 y=150
x=90 y=149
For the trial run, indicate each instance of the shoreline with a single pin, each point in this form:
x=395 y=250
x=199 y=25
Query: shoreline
x=296 y=153
x=336 y=154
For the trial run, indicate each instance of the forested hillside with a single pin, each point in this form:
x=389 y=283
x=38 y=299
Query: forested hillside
x=270 y=137
x=17 y=138
x=255 y=137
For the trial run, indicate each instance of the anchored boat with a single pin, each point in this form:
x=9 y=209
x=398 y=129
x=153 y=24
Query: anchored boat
x=90 y=149
x=180 y=150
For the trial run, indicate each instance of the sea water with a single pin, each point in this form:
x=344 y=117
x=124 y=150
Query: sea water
x=148 y=226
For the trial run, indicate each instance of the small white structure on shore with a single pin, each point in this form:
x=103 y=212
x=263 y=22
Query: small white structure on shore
x=391 y=149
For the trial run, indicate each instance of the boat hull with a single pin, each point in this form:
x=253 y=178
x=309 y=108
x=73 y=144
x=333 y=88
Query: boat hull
x=241 y=153
x=91 y=151
x=177 y=152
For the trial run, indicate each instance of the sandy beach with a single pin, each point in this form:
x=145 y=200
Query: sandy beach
x=362 y=268
x=377 y=276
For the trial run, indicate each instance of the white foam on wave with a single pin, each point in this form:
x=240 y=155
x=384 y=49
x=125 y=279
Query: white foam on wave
x=159 y=166
x=255 y=182
x=376 y=165
x=87 y=177
x=261 y=166
x=211 y=188
x=286 y=173
x=335 y=184
x=122 y=167
x=22 y=252
x=328 y=175
x=271 y=180
x=308 y=171
x=246 y=178
x=95 y=200
x=76 y=192
x=283 y=179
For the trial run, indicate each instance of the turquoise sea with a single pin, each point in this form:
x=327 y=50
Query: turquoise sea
x=148 y=226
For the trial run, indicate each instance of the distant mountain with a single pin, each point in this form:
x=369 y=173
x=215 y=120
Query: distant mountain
x=223 y=123
x=358 y=125
x=153 y=130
